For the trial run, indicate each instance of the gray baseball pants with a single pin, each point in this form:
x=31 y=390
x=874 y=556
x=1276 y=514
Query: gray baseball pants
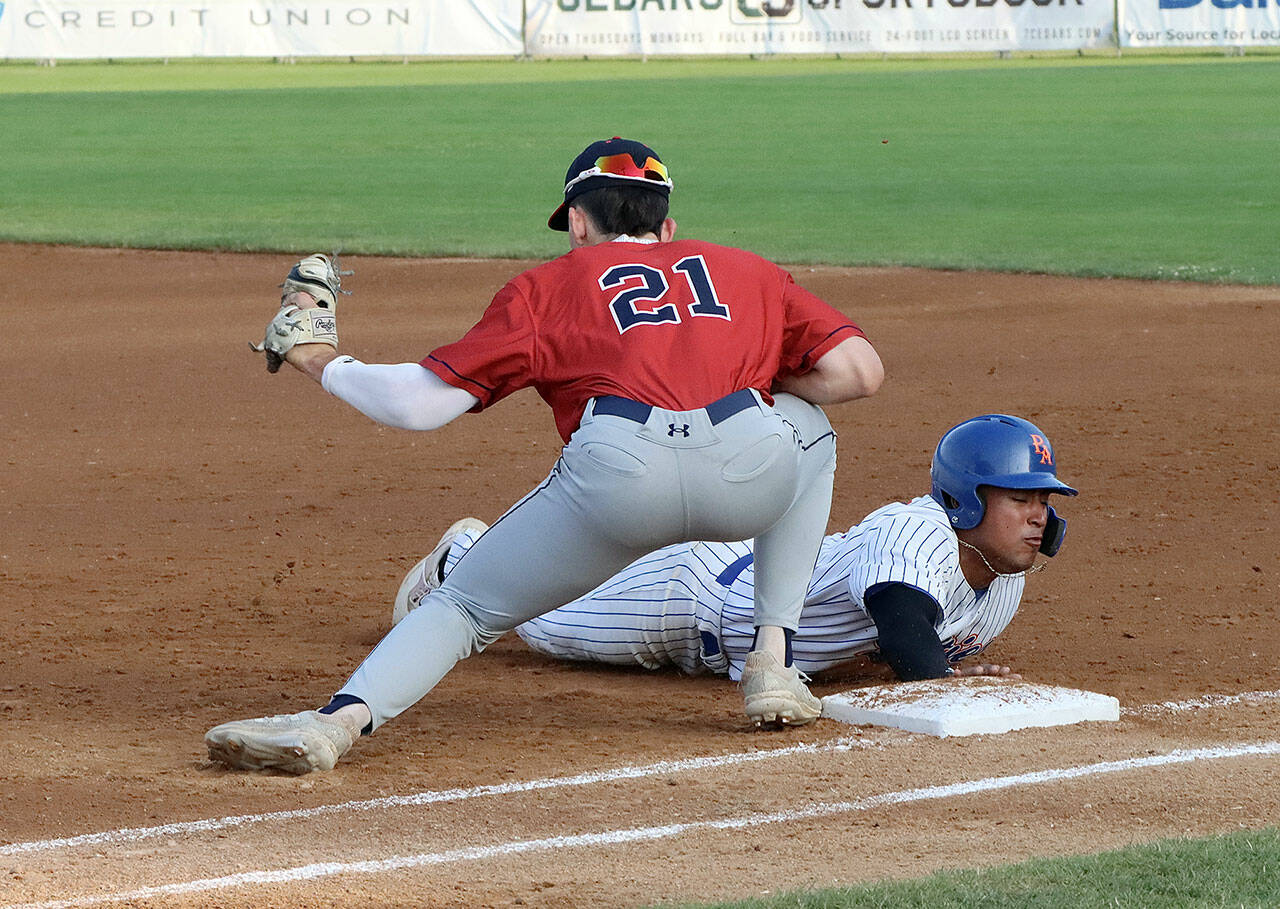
x=631 y=480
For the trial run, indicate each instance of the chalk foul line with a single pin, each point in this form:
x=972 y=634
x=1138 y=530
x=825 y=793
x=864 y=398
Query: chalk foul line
x=205 y=825
x=1207 y=702
x=642 y=834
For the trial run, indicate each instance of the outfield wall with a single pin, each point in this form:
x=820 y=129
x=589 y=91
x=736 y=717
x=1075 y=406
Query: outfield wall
x=98 y=29
x=1199 y=23
x=577 y=27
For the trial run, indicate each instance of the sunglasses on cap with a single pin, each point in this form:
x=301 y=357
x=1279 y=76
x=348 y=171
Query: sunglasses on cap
x=624 y=166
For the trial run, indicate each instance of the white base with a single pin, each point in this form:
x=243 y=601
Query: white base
x=971 y=706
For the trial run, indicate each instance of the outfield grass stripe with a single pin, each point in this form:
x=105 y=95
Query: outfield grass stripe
x=1158 y=170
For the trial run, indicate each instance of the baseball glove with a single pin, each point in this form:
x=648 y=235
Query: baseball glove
x=317 y=275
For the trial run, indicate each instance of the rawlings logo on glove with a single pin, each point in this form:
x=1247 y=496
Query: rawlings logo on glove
x=319 y=277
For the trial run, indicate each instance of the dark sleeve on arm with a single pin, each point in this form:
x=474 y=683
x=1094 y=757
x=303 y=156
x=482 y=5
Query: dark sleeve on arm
x=905 y=619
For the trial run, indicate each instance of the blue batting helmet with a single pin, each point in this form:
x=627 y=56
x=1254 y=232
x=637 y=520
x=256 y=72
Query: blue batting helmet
x=995 y=450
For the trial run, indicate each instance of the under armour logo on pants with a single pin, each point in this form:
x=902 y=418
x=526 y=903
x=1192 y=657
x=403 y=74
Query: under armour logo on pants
x=672 y=429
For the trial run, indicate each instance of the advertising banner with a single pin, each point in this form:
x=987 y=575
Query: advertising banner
x=67 y=29
x=655 y=27
x=1199 y=23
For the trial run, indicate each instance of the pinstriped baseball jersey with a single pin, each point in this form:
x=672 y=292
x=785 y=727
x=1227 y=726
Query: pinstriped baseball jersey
x=690 y=605
x=908 y=543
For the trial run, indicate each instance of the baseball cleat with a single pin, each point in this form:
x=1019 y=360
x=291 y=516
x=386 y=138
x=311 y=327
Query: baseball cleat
x=428 y=574
x=775 y=693
x=293 y=742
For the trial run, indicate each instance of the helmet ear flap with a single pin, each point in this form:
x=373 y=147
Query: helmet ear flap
x=1055 y=529
x=964 y=510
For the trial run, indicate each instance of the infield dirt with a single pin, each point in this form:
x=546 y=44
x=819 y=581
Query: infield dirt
x=188 y=539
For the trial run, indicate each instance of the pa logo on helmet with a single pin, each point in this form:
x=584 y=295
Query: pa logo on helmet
x=1041 y=447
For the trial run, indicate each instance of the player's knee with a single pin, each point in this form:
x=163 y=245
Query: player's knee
x=478 y=627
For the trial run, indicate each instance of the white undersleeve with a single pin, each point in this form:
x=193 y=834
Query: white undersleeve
x=404 y=395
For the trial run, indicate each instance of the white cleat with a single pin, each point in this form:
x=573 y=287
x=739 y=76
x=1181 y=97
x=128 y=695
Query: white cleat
x=775 y=693
x=428 y=574
x=293 y=742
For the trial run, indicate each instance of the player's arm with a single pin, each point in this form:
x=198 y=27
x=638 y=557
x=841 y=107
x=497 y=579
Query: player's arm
x=850 y=370
x=403 y=395
x=311 y=359
x=905 y=620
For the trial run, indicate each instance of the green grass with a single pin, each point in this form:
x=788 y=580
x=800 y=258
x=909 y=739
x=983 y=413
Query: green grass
x=1159 y=167
x=1236 y=870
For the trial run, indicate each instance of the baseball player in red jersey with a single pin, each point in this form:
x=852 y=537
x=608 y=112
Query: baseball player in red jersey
x=684 y=378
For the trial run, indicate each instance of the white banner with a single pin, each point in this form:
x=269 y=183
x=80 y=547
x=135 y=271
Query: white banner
x=1198 y=23
x=65 y=29
x=612 y=27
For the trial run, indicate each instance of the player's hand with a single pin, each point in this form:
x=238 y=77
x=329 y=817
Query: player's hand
x=984 y=669
x=306 y=316
x=298 y=298
x=307 y=358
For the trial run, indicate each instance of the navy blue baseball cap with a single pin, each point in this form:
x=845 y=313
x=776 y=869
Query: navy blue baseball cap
x=604 y=162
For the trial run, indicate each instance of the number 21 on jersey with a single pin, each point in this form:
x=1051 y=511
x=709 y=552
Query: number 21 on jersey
x=646 y=284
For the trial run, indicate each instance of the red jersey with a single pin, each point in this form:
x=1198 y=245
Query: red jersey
x=676 y=325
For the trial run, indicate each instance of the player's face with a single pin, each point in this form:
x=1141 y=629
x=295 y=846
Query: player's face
x=1012 y=528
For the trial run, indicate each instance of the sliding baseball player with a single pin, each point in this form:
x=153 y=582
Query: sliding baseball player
x=926 y=584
